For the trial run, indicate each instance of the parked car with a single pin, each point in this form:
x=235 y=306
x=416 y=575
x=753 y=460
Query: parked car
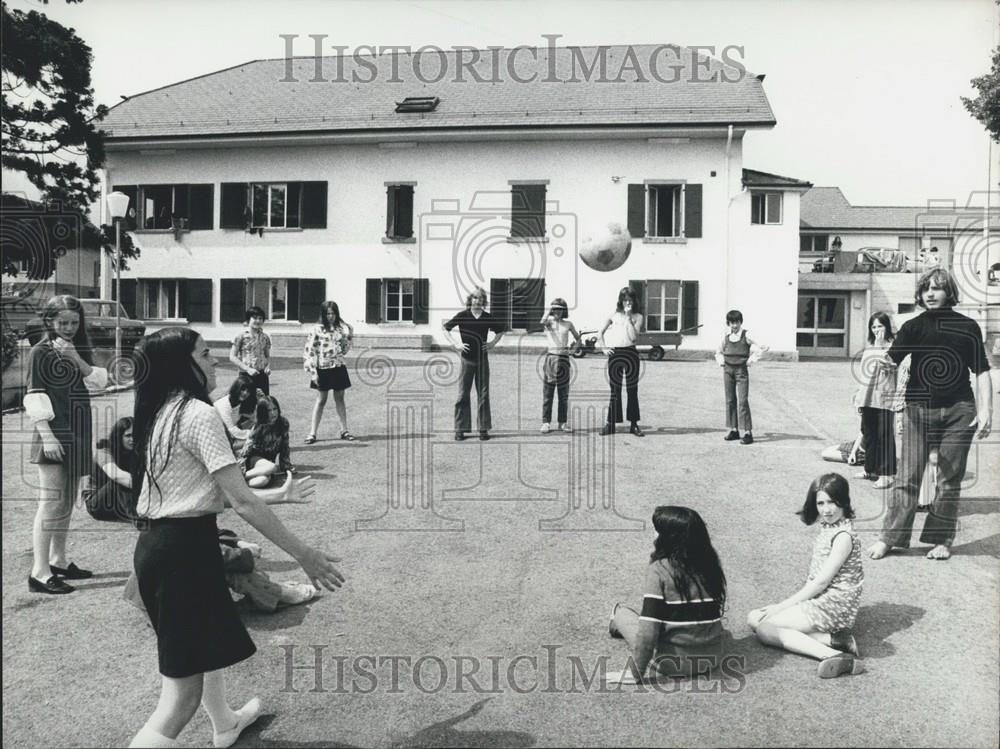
x=100 y=317
x=17 y=313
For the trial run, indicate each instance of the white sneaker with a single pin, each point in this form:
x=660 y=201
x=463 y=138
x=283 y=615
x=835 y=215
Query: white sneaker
x=296 y=593
x=883 y=482
x=545 y=428
x=244 y=717
x=564 y=428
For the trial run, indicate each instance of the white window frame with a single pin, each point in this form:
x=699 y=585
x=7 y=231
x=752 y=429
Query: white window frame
x=767 y=196
x=816 y=330
x=677 y=207
x=162 y=300
x=661 y=313
x=268 y=303
x=270 y=187
x=412 y=282
x=143 y=216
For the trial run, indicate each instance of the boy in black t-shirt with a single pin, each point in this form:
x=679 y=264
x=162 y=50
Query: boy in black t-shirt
x=474 y=325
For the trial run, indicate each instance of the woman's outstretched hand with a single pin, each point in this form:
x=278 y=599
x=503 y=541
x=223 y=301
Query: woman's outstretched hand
x=319 y=567
x=298 y=490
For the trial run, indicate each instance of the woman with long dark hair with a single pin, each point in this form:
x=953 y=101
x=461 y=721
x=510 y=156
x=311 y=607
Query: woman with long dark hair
x=680 y=626
x=57 y=402
x=184 y=466
x=617 y=337
x=326 y=346
x=111 y=480
x=875 y=401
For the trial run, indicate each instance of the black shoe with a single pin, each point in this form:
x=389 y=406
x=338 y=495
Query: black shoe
x=607 y=429
x=733 y=435
x=53 y=585
x=483 y=436
x=459 y=436
x=747 y=439
x=72 y=572
x=844 y=641
x=634 y=429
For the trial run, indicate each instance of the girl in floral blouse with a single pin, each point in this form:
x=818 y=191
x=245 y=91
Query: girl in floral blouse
x=327 y=344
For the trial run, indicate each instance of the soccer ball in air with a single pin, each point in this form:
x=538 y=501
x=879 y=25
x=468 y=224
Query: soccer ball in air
x=606 y=249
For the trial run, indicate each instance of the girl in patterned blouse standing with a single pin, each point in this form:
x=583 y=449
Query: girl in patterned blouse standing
x=816 y=620
x=327 y=344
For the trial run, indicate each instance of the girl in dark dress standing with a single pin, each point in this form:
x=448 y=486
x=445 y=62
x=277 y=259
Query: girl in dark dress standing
x=57 y=402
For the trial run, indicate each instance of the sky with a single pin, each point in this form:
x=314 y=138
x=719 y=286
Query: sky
x=865 y=92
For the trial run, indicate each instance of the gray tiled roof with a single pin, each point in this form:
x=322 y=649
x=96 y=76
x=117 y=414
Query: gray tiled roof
x=828 y=208
x=252 y=98
x=753 y=178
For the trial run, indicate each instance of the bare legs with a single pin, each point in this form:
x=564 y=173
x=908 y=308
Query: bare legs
x=791 y=629
x=55 y=505
x=320 y=404
x=260 y=475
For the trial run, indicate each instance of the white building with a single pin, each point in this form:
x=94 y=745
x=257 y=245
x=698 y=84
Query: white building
x=271 y=184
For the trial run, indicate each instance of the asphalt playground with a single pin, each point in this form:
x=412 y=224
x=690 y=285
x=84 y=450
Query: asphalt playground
x=480 y=576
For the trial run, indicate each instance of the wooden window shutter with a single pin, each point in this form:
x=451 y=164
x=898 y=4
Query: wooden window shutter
x=527 y=211
x=314 y=205
x=390 y=210
x=202 y=207
x=689 y=307
x=130 y=222
x=293 y=208
x=404 y=211
x=500 y=300
x=637 y=211
x=129 y=293
x=421 y=301
x=692 y=211
x=535 y=304
x=196 y=296
x=233 y=299
x=373 y=301
x=312 y=293
x=639 y=287
x=234 y=206
x=292 y=299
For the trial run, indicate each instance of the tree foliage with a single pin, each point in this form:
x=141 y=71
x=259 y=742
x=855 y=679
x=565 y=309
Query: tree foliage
x=986 y=106
x=50 y=135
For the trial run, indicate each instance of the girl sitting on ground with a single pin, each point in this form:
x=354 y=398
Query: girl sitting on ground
x=265 y=454
x=237 y=408
x=111 y=478
x=680 y=626
x=816 y=620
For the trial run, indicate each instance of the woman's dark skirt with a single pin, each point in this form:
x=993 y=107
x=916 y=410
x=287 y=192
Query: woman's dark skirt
x=334 y=378
x=183 y=587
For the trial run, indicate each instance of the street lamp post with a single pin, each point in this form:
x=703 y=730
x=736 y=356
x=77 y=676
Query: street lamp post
x=117 y=207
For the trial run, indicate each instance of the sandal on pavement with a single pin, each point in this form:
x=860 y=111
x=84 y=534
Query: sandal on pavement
x=310 y=439
x=244 y=717
x=345 y=435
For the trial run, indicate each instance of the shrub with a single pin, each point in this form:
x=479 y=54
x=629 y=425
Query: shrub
x=10 y=349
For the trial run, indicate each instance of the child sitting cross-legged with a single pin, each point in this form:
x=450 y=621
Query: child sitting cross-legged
x=266 y=454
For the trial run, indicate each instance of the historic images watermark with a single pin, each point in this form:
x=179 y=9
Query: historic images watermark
x=310 y=669
x=663 y=63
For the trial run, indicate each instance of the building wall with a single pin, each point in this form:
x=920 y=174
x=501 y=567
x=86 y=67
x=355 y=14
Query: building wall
x=465 y=186
x=77 y=273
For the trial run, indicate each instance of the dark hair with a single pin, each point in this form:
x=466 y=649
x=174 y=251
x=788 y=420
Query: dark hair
x=324 y=315
x=268 y=436
x=836 y=488
x=941 y=278
x=242 y=382
x=114 y=444
x=68 y=303
x=734 y=315
x=560 y=304
x=478 y=292
x=262 y=407
x=628 y=291
x=254 y=311
x=168 y=370
x=883 y=318
x=682 y=540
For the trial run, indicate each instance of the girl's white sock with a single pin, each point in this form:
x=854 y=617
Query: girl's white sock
x=213 y=699
x=147 y=737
